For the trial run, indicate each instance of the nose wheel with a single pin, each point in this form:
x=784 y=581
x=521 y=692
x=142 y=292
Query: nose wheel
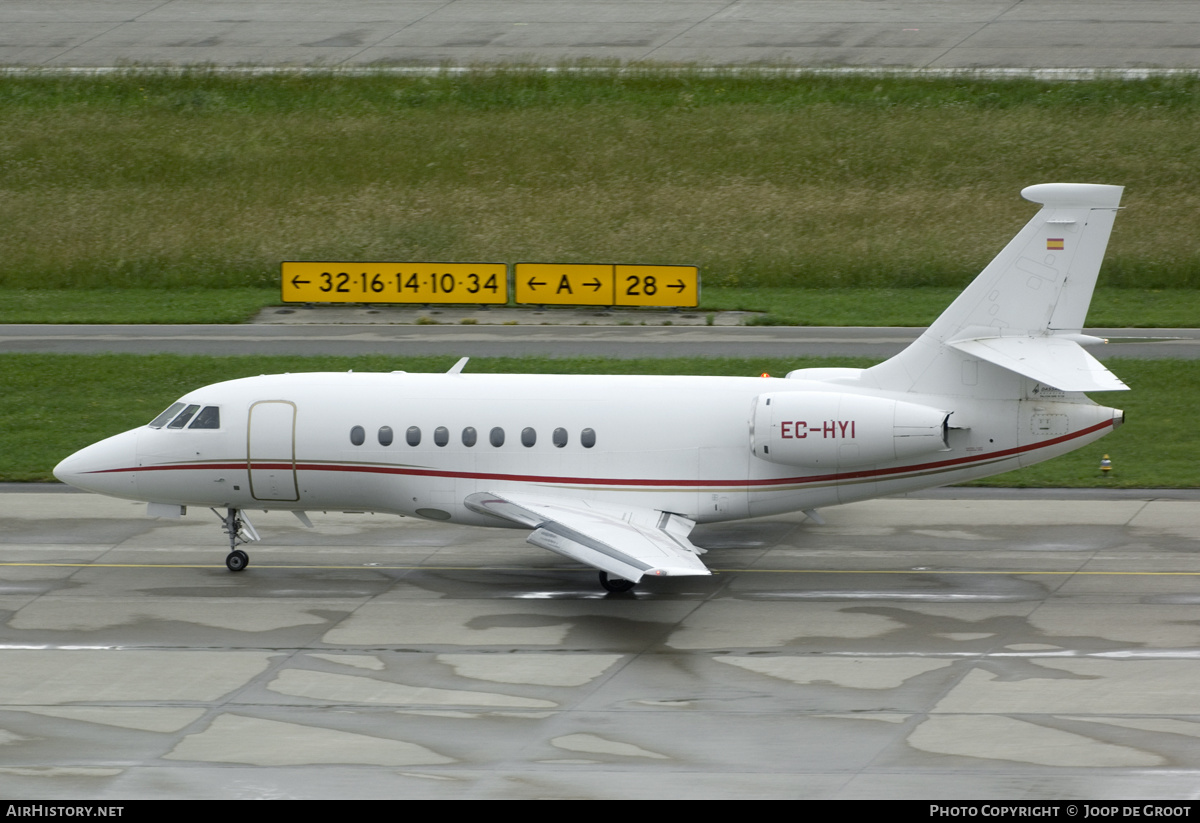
x=239 y=530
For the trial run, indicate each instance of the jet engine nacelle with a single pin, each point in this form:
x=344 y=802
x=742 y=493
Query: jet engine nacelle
x=832 y=430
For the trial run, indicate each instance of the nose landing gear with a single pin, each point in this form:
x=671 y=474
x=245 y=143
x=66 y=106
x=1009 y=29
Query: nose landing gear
x=235 y=524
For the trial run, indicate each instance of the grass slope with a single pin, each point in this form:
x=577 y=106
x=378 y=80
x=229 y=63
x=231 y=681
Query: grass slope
x=199 y=181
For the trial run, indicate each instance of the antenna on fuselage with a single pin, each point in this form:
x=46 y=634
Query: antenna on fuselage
x=459 y=366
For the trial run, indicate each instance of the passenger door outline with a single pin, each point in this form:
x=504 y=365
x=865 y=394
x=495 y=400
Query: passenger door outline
x=271 y=451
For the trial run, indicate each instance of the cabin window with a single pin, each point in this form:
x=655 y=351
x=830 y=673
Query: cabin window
x=528 y=436
x=183 y=418
x=587 y=437
x=413 y=436
x=497 y=437
x=358 y=435
x=385 y=435
x=441 y=436
x=208 y=418
x=469 y=436
x=559 y=438
x=161 y=420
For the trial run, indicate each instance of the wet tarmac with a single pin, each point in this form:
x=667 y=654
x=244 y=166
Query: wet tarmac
x=959 y=645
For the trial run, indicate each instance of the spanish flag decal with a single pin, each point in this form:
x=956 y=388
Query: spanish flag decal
x=1054 y=244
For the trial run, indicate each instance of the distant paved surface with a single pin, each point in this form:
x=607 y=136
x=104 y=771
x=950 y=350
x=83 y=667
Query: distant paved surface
x=518 y=341
x=922 y=33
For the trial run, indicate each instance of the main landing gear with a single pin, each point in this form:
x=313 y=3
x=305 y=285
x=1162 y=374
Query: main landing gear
x=615 y=584
x=235 y=524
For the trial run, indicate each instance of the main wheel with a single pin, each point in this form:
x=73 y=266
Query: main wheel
x=615 y=584
x=237 y=560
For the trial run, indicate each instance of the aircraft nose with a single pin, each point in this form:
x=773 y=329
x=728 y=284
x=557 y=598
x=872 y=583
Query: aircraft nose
x=108 y=467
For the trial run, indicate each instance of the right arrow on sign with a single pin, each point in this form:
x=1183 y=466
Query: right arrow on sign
x=658 y=286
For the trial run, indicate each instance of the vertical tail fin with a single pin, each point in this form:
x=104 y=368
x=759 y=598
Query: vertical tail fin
x=1023 y=312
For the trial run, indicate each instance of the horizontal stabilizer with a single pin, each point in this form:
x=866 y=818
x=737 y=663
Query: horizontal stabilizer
x=1056 y=361
x=626 y=542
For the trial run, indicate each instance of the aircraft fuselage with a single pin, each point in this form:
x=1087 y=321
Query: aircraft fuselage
x=420 y=444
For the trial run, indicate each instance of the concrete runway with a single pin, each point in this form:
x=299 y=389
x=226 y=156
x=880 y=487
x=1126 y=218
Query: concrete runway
x=951 y=646
x=1126 y=34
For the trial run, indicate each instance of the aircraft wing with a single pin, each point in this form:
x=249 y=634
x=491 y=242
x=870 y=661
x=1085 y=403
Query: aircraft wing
x=626 y=542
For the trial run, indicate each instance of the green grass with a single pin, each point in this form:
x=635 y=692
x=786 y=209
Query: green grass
x=183 y=305
x=209 y=181
x=52 y=405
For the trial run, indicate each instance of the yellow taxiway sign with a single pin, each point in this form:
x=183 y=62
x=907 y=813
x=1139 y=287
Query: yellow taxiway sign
x=564 y=284
x=657 y=286
x=395 y=283
x=606 y=285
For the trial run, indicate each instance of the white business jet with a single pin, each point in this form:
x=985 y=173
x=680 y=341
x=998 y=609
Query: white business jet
x=615 y=471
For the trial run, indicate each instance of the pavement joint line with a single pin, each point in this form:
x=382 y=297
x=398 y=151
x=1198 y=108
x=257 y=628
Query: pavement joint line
x=985 y=72
x=532 y=570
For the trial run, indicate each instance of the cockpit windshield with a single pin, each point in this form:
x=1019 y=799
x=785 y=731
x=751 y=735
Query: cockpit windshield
x=161 y=420
x=208 y=418
x=183 y=417
x=180 y=414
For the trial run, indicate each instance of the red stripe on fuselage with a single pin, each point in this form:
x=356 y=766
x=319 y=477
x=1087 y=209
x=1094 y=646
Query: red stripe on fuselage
x=413 y=471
